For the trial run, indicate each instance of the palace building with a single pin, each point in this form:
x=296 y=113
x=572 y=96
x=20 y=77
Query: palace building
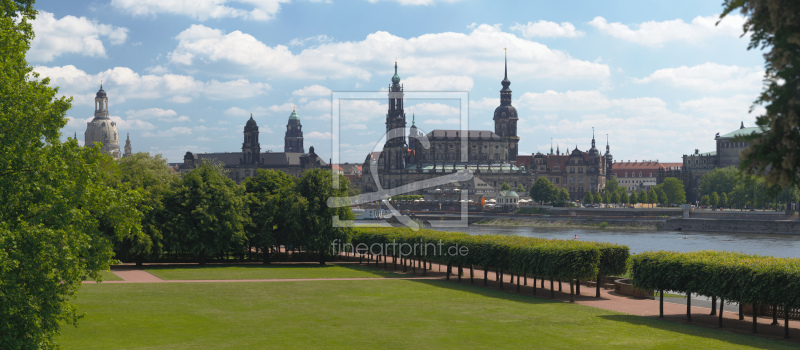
x=240 y=165
x=491 y=156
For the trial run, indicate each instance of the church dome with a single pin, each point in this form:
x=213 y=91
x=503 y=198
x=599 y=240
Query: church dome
x=505 y=112
x=294 y=116
x=395 y=78
x=251 y=124
x=101 y=92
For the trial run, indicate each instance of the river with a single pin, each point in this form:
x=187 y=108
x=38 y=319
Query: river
x=783 y=246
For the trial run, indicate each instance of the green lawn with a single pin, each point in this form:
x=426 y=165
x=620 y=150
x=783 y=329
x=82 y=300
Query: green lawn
x=380 y=313
x=277 y=271
x=108 y=276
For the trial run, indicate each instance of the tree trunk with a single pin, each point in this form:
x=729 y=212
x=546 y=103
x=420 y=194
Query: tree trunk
x=460 y=272
x=689 y=306
x=721 y=303
x=424 y=268
x=485 y=276
x=571 y=292
x=534 y=284
x=775 y=315
x=755 y=318
x=741 y=312
x=560 y=287
x=578 y=286
x=552 y=290
x=322 y=258
x=660 y=302
x=713 y=306
x=448 y=271
x=202 y=258
x=597 y=293
x=786 y=322
x=471 y=274
x=517 y=283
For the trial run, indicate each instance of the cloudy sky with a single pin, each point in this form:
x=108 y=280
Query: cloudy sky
x=659 y=77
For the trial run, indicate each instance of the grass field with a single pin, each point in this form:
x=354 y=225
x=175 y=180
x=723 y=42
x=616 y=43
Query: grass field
x=277 y=271
x=380 y=313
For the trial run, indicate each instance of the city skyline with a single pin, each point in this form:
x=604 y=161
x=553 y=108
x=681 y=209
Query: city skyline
x=659 y=79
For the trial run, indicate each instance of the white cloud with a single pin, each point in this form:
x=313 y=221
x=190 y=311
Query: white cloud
x=164 y=115
x=655 y=34
x=427 y=110
x=313 y=90
x=171 y=132
x=546 y=29
x=438 y=83
x=122 y=83
x=564 y=101
x=70 y=34
x=316 y=135
x=445 y=54
x=258 y=10
x=724 y=111
x=351 y=111
x=709 y=77
x=317 y=39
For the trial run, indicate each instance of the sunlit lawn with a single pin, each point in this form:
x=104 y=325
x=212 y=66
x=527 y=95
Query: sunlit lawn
x=377 y=313
x=108 y=276
x=273 y=271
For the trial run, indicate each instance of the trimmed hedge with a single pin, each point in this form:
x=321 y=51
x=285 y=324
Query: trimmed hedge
x=558 y=259
x=750 y=279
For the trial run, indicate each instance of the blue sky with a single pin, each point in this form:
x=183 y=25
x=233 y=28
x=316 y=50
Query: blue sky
x=659 y=77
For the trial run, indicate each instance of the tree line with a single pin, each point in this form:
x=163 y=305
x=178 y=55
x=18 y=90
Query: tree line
x=205 y=215
x=729 y=188
x=669 y=192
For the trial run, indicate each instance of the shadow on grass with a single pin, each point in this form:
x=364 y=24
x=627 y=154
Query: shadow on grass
x=728 y=335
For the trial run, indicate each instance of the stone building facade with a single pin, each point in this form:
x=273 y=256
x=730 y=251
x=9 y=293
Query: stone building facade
x=244 y=164
x=102 y=129
x=491 y=156
x=695 y=165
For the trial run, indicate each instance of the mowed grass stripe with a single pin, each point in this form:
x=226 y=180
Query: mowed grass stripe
x=364 y=314
x=273 y=271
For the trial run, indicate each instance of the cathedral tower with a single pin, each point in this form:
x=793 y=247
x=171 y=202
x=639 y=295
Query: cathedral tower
x=293 y=141
x=128 y=149
x=101 y=128
x=505 y=118
x=251 y=149
x=394 y=151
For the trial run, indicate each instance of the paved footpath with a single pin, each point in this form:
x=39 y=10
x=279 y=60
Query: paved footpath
x=608 y=300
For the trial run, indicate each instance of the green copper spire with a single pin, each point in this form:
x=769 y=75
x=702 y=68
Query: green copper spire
x=294 y=116
x=395 y=78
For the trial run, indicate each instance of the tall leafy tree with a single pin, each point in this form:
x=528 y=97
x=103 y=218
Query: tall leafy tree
x=652 y=196
x=643 y=196
x=674 y=190
x=316 y=186
x=633 y=199
x=276 y=211
x=720 y=180
x=773 y=27
x=723 y=200
x=614 y=197
x=588 y=198
x=543 y=190
x=705 y=200
x=207 y=213
x=505 y=186
x=714 y=199
x=623 y=198
x=612 y=184
x=60 y=212
x=563 y=196
x=151 y=175
x=520 y=189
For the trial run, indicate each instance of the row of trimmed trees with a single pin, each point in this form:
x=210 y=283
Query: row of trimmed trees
x=205 y=215
x=669 y=192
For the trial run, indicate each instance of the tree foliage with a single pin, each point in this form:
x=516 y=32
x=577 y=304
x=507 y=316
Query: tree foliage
x=206 y=213
x=720 y=180
x=60 y=213
x=543 y=190
x=316 y=186
x=505 y=186
x=773 y=26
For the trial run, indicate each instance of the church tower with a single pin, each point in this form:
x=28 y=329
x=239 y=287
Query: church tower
x=251 y=149
x=505 y=118
x=394 y=151
x=101 y=128
x=128 y=150
x=609 y=158
x=293 y=141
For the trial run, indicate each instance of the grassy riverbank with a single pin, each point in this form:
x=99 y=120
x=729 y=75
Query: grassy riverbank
x=650 y=225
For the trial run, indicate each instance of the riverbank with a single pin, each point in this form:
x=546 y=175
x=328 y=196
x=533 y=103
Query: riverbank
x=596 y=223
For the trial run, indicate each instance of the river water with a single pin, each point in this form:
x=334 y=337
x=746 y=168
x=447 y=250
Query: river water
x=783 y=246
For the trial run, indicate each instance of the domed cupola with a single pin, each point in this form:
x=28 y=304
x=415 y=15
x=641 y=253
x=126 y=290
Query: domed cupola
x=609 y=157
x=102 y=129
x=251 y=125
x=293 y=140
x=395 y=78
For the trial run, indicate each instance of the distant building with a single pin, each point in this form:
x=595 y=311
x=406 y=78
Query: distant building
x=640 y=175
x=244 y=164
x=728 y=153
x=102 y=129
